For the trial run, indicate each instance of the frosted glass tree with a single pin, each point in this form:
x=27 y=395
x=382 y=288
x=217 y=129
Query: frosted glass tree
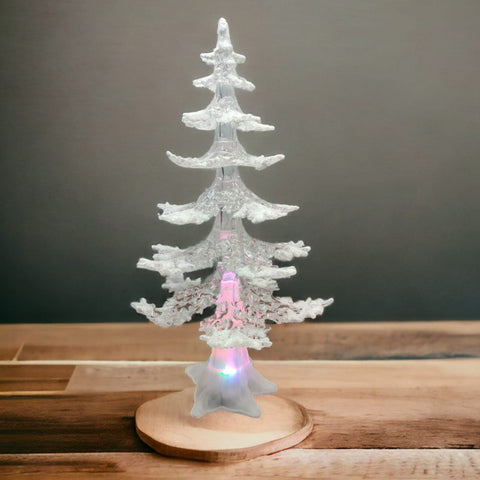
x=244 y=276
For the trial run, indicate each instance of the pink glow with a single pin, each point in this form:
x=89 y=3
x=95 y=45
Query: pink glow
x=230 y=312
x=229 y=288
x=225 y=234
x=228 y=361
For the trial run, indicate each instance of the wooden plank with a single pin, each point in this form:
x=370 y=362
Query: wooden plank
x=367 y=341
x=132 y=341
x=460 y=373
x=311 y=340
x=125 y=378
x=405 y=419
x=289 y=464
x=34 y=377
x=41 y=423
x=406 y=395
x=396 y=404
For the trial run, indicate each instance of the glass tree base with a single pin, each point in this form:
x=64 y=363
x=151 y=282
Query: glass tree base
x=228 y=381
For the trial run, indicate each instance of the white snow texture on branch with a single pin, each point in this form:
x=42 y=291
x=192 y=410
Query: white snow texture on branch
x=230 y=196
x=226 y=154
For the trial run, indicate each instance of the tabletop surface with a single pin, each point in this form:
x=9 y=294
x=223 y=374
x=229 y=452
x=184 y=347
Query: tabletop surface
x=396 y=400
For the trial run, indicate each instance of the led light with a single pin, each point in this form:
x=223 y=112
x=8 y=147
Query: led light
x=228 y=371
x=228 y=361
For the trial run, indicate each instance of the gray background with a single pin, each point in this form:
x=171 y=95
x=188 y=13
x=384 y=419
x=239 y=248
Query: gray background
x=376 y=105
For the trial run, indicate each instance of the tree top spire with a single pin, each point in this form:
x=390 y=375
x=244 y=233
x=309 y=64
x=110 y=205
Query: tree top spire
x=223 y=51
x=223 y=34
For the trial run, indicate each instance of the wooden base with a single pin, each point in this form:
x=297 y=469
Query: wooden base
x=165 y=425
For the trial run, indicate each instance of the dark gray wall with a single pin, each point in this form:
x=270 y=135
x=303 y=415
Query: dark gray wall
x=377 y=108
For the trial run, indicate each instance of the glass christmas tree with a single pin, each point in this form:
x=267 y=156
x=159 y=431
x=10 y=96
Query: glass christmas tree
x=244 y=276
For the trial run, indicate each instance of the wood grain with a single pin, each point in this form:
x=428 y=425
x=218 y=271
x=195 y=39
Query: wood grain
x=459 y=373
x=289 y=464
x=125 y=378
x=314 y=340
x=34 y=377
x=56 y=422
x=378 y=404
x=85 y=429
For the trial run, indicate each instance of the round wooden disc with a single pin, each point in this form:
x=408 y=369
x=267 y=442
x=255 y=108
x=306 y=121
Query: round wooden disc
x=165 y=425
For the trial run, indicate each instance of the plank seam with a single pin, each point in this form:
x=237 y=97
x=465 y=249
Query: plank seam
x=17 y=354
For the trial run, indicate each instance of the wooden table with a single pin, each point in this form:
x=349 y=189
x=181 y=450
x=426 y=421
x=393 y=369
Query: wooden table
x=389 y=400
